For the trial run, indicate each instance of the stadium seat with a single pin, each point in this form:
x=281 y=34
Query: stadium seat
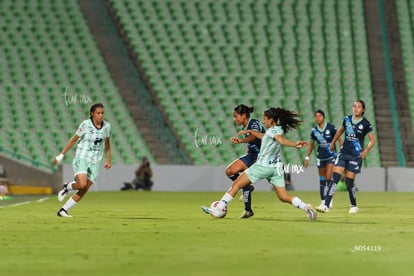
x=230 y=52
x=48 y=60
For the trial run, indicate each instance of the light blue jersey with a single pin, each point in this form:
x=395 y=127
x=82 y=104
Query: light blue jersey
x=269 y=155
x=91 y=141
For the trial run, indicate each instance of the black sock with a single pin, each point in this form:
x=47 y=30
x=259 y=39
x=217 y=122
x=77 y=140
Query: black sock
x=234 y=176
x=351 y=190
x=247 y=198
x=332 y=188
x=325 y=190
x=322 y=187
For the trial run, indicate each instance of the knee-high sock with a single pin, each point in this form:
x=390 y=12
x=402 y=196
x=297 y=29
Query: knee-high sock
x=247 y=198
x=332 y=188
x=351 y=190
x=226 y=199
x=298 y=203
x=69 y=204
x=322 y=187
x=325 y=190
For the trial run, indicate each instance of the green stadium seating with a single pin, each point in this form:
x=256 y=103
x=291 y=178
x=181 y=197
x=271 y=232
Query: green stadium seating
x=405 y=11
x=212 y=55
x=48 y=49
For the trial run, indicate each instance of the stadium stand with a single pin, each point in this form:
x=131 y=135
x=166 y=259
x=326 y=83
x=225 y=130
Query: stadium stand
x=200 y=57
x=51 y=72
x=204 y=57
x=405 y=10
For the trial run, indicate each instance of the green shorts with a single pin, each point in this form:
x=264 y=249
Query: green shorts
x=275 y=175
x=81 y=166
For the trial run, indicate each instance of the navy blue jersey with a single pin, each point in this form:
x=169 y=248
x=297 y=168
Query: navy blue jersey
x=355 y=133
x=254 y=146
x=324 y=138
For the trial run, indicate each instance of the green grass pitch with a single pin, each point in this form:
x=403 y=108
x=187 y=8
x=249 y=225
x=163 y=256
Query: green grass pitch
x=166 y=233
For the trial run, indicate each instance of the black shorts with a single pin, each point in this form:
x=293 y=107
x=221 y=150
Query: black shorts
x=349 y=162
x=248 y=159
x=325 y=162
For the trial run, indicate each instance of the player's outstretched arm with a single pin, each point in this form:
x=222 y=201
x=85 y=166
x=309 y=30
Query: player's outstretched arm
x=68 y=146
x=336 y=137
x=371 y=144
x=254 y=133
x=108 y=153
x=310 y=149
x=286 y=142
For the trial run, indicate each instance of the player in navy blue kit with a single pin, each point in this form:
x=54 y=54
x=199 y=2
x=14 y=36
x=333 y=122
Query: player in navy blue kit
x=241 y=116
x=356 y=127
x=323 y=134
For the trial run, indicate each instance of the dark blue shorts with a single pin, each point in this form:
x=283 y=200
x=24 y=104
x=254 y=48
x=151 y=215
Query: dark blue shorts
x=349 y=162
x=248 y=159
x=325 y=162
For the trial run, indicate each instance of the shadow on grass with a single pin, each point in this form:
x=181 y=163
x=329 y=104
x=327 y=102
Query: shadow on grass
x=318 y=221
x=141 y=218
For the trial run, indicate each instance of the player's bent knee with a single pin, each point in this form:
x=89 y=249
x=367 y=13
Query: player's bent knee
x=82 y=185
x=349 y=182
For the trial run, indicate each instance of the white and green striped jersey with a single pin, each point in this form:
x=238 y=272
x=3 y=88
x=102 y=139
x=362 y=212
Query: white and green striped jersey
x=91 y=141
x=269 y=154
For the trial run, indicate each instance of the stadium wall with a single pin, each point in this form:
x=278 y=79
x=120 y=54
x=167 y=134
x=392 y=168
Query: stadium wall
x=23 y=175
x=212 y=178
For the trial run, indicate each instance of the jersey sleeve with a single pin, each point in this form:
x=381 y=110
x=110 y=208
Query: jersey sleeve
x=108 y=130
x=272 y=132
x=255 y=125
x=369 y=127
x=344 y=121
x=312 y=136
x=81 y=129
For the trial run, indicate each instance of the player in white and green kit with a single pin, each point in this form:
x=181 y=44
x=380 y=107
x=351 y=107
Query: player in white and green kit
x=93 y=141
x=278 y=121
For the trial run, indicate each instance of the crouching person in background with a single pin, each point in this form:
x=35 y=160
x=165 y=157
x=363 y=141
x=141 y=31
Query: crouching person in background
x=143 y=177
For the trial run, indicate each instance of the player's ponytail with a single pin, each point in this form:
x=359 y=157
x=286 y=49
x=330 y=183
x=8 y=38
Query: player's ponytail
x=282 y=117
x=94 y=107
x=244 y=109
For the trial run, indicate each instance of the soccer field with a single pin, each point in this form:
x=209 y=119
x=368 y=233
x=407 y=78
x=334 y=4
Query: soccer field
x=160 y=233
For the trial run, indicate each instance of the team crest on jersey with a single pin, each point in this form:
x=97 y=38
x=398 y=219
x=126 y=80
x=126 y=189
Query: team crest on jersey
x=361 y=127
x=327 y=132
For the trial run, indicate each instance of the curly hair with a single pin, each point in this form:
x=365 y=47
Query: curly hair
x=287 y=119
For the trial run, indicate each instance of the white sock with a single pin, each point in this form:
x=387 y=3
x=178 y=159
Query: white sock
x=69 y=204
x=226 y=199
x=69 y=186
x=298 y=203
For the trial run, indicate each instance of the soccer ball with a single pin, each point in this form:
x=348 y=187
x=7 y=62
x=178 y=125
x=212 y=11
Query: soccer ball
x=214 y=205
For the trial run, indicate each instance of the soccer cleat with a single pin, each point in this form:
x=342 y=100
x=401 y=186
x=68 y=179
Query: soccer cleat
x=322 y=209
x=213 y=211
x=62 y=193
x=320 y=206
x=246 y=214
x=63 y=213
x=310 y=212
x=353 y=210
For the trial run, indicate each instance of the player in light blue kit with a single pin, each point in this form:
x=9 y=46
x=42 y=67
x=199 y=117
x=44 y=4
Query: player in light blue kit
x=278 y=121
x=356 y=127
x=241 y=115
x=323 y=134
x=93 y=141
